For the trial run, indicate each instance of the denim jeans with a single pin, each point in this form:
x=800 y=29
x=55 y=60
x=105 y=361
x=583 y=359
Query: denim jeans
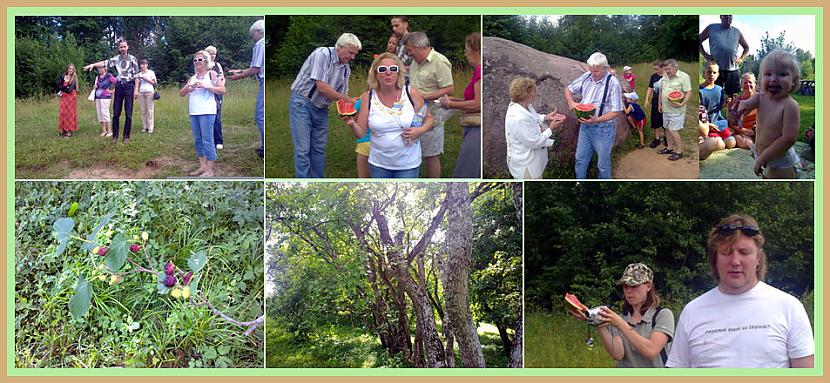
x=217 y=124
x=378 y=172
x=259 y=112
x=123 y=98
x=202 y=127
x=309 y=133
x=597 y=138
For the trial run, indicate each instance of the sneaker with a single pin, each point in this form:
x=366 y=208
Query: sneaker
x=114 y=140
x=109 y=134
x=125 y=141
x=220 y=146
x=665 y=151
x=654 y=143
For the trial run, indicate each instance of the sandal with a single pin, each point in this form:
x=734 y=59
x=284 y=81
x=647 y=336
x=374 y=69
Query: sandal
x=675 y=156
x=197 y=172
x=665 y=151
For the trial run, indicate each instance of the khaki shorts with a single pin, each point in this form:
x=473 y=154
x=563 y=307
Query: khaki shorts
x=362 y=148
x=432 y=142
x=673 y=121
x=102 y=108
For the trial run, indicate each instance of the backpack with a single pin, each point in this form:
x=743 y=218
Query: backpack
x=663 y=354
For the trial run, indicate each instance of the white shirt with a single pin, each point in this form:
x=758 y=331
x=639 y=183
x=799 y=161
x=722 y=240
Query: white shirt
x=144 y=85
x=201 y=100
x=763 y=327
x=388 y=148
x=527 y=141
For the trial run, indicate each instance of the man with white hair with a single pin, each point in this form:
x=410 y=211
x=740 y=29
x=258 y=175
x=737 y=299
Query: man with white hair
x=257 y=69
x=323 y=78
x=596 y=133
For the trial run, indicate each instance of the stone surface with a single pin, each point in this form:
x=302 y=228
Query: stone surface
x=504 y=60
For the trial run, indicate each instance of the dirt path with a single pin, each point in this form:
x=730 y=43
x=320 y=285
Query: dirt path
x=647 y=164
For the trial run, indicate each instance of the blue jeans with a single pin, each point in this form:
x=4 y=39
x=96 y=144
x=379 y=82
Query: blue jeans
x=309 y=133
x=259 y=112
x=597 y=138
x=379 y=172
x=217 y=124
x=202 y=127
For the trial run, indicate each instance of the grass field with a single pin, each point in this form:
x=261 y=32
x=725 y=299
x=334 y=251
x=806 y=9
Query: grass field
x=340 y=154
x=349 y=347
x=558 y=340
x=41 y=154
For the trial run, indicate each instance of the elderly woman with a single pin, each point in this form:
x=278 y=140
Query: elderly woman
x=640 y=336
x=527 y=139
x=745 y=128
x=217 y=124
x=202 y=106
x=600 y=88
x=67 y=85
x=104 y=87
x=145 y=88
x=468 y=164
x=396 y=116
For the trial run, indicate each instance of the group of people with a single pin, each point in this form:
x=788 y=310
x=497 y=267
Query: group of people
x=528 y=132
x=398 y=124
x=742 y=322
x=135 y=81
x=766 y=122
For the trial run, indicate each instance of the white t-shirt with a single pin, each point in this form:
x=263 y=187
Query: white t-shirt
x=763 y=327
x=527 y=141
x=201 y=100
x=144 y=85
x=388 y=148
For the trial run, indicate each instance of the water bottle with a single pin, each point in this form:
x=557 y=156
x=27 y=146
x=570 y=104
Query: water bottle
x=418 y=120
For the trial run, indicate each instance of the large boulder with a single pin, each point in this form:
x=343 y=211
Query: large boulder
x=505 y=60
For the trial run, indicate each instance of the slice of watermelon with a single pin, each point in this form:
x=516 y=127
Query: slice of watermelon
x=346 y=108
x=572 y=303
x=584 y=110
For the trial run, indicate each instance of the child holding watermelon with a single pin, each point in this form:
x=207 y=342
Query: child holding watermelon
x=778 y=117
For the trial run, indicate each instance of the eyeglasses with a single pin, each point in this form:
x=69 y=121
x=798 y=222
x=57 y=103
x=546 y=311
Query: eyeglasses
x=728 y=229
x=391 y=69
x=198 y=60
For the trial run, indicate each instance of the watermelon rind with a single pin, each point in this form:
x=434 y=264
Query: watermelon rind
x=584 y=111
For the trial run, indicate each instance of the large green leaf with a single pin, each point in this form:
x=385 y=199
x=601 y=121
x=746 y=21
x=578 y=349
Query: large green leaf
x=117 y=254
x=194 y=284
x=197 y=261
x=79 y=303
x=63 y=227
x=93 y=237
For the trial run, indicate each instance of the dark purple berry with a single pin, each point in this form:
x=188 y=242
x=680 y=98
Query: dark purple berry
x=170 y=280
x=186 y=278
x=135 y=248
x=103 y=251
x=169 y=268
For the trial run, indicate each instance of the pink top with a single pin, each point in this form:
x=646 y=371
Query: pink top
x=630 y=79
x=469 y=91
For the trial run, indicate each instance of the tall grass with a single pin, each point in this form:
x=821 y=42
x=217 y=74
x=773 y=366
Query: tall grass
x=340 y=149
x=41 y=153
x=558 y=340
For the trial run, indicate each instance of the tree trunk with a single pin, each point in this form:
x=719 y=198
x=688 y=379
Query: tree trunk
x=516 y=350
x=456 y=285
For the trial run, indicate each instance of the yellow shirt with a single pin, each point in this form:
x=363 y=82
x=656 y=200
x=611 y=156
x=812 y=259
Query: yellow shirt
x=432 y=74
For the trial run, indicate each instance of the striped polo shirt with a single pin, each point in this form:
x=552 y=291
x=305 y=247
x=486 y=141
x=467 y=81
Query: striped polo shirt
x=322 y=65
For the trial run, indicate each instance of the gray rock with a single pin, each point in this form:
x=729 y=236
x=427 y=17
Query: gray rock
x=505 y=60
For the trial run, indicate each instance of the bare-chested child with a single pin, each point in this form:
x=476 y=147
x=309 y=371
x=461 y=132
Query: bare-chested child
x=778 y=118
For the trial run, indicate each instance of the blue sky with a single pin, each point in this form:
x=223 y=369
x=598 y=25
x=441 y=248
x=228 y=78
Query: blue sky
x=800 y=29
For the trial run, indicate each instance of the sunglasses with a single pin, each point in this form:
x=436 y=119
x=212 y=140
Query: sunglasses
x=198 y=60
x=391 y=69
x=728 y=229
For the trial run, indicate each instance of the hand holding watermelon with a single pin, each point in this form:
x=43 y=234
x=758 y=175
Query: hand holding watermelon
x=676 y=97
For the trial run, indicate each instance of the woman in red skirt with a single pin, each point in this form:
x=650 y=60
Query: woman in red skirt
x=67 y=86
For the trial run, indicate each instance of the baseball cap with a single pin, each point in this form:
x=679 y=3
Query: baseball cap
x=635 y=274
x=631 y=95
x=626 y=67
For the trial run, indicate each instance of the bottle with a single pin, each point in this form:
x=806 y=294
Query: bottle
x=418 y=120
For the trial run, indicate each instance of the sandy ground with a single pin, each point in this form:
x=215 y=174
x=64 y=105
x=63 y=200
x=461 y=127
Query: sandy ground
x=738 y=164
x=647 y=164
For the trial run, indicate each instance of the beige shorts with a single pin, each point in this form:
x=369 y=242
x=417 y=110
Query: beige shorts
x=674 y=121
x=432 y=142
x=102 y=108
x=362 y=148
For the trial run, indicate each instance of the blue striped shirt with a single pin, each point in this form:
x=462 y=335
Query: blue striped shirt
x=258 y=58
x=591 y=92
x=323 y=65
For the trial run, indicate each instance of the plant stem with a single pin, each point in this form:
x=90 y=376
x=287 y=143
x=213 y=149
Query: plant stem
x=251 y=325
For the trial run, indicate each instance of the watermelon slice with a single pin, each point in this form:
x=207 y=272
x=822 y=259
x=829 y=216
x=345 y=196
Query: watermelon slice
x=346 y=108
x=676 y=97
x=573 y=304
x=584 y=110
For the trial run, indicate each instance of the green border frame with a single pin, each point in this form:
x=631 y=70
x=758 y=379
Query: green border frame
x=254 y=11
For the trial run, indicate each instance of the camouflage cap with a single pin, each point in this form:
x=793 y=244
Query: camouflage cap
x=635 y=274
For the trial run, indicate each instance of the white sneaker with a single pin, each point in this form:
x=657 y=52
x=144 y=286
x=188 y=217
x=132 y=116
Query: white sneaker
x=220 y=146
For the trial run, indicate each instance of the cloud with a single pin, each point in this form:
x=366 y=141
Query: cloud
x=799 y=30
